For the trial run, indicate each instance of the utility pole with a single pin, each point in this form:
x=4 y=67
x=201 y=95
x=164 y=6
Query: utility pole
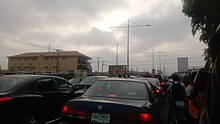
x=160 y=59
x=98 y=63
x=102 y=66
x=128 y=26
x=58 y=50
x=117 y=54
x=153 y=59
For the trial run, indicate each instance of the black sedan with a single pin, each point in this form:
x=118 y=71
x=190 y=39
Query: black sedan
x=113 y=101
x=32 y=99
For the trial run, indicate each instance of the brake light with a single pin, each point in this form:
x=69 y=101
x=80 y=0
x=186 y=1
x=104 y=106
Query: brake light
x=162 y=83
x=157 y=91
x=145 y=117
x=5 y=99
x=64 y=109
x=76 y=113
x=111 y=95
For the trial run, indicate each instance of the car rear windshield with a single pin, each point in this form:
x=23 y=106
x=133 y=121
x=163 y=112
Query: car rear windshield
x=118 y=89
x=7 y=83
x=90 y=80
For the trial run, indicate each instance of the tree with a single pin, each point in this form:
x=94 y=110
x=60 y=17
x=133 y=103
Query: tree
x=205 y=17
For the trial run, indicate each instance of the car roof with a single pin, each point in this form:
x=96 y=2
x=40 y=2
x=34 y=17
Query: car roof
x=28 y=76
x=153 y=79
x=123 y=79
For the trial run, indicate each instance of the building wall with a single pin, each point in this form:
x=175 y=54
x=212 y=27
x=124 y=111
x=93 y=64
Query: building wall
x=21 y=64
x=43 y=64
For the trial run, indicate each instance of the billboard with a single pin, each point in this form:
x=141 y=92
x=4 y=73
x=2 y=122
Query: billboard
x=182 y=64
x=115 y=70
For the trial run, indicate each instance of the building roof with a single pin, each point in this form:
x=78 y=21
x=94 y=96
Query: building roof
x=51 y=54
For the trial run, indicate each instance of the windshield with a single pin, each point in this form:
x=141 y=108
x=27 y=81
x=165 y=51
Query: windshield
x=7 y=83
x=90 y=80
x=118 y=89
x=154 y=82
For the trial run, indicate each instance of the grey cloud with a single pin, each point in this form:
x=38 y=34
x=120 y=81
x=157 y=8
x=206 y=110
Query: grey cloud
x=95 y=37
x=20 y=15
x=173 y=27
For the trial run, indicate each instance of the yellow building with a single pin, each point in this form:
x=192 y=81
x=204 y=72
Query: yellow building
x=50 y=62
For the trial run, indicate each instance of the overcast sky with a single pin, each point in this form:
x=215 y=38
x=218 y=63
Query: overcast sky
x=85 y=26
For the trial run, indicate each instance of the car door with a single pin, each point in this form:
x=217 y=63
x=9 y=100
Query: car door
x=48 y=105
x=65 y=92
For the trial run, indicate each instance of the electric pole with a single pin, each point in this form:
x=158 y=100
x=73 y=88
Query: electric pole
x=98 y=63
x=58 y=50
x=102 y=65
x=128 y=47
x=117 y=54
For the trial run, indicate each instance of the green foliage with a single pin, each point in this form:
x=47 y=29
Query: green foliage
x=205 y=17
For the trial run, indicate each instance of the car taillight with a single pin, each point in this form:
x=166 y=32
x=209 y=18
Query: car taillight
x=64 y=109
x=158 y=91
x=112 y=95
x=145 y=117
x=76 y=113
x=5 y=99
x=162 y=83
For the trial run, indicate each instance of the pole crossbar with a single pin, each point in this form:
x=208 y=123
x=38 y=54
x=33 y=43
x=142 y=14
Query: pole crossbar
x=128 y=26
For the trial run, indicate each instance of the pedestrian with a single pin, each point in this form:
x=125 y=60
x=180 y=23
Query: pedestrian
x=177 y=99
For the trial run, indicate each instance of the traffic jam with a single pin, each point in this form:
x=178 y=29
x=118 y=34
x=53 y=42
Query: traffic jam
x=38 y=99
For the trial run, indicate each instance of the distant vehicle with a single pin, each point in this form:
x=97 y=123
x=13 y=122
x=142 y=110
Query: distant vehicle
x=87 y=82
x=154 y=81
x=75 y=80
x=114 y=100
x=157 y=86
x=32 y=99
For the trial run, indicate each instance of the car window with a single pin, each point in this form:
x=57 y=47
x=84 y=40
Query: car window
x=153 y=82
x=119 y=89
x=7 y=83
x=75 y=80
x=63 y=85
x=45 y=85
x=152 y=93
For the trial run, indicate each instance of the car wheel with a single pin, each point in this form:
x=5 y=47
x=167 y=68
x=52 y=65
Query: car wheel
x=29 y=119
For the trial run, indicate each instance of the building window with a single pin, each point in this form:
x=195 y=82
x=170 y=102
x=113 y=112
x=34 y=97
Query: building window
x=26 y=59
x=19 y=59
x=46 y=67
x=46 y=58
x=64 y=58
x=34 y=58
x=34 y=67
x=18 y=67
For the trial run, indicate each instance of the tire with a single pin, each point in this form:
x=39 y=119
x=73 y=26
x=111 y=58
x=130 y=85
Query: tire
x=29 y=119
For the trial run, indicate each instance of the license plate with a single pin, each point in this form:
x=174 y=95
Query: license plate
x=100 y=118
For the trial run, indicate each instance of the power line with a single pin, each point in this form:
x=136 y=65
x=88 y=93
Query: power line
x=23 y=42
